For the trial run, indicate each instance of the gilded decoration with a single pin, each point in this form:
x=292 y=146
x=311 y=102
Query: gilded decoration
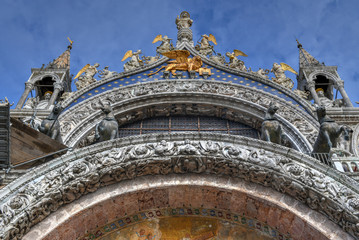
x=182 y=62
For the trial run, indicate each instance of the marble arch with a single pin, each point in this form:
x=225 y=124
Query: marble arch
x=239 y=160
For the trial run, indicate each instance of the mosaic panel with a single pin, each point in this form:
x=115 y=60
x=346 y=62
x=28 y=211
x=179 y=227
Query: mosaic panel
x=186 y=224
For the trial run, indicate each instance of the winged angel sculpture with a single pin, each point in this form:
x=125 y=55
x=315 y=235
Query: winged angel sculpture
x=280 y=77
x=234 y=62
x=88 y=77
x=204 y=47
x=182 y=62
x=134 y=62
x=166 y=44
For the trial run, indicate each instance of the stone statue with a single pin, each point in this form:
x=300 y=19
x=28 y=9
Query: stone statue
x=107 y=129
x=184 y=21
x=30 y=103
x=88 y=77
x=51 y=126
x=105 y=73
x=329 y=133
x=234 y=62
x=165 y=46
x=204 y=47
x=324 y=101
x=42 y=104
x=135 y=61
x=271 y=128
x=280 y=76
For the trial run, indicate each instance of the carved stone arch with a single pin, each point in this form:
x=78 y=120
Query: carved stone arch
x=185 y=103
x=242 y=163
x=100 y=212
x=330 y=76
x=54 y=77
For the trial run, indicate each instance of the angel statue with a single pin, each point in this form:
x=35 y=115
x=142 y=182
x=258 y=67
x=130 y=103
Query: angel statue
x=88 y=77
x=135 y=61
x=166 y=44
x=280 y=77
x=234 y=62
x=105 y=73
x=182 y=62
x=204 y=47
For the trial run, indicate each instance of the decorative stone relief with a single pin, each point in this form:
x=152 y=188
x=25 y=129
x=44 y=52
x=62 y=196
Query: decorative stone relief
x=86 y=171
x=75 y=117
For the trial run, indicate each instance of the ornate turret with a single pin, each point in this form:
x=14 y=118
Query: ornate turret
x=320 y=81
x=48 y=82
x=184 y=22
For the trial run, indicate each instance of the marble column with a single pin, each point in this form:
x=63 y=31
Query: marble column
x=311 y=88
x=58 y=87
x=340 y=85
x=28 y=87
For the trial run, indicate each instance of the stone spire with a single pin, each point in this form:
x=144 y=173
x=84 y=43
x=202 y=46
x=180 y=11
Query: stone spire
x=184 y=22
x=63 y=61
x=305 y=59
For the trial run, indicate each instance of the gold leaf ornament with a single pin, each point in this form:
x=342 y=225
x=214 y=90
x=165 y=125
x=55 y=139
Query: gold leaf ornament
x=127 y=55
x=82 y=70
x=286 y=67
x=157 y=38
x=239 y=53
x=212 y=38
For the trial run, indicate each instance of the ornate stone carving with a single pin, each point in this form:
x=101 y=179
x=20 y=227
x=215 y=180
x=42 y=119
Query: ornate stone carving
x=73 y=119
x=218 y=58
x=86 y=171
x=105 y=73
x=263 y=73
x=302 y=94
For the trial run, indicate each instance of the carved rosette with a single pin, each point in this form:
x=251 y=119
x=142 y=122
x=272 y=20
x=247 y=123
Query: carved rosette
x=47 y=188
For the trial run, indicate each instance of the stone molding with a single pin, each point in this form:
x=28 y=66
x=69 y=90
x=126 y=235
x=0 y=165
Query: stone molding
x=44 y=189
x=245 y=102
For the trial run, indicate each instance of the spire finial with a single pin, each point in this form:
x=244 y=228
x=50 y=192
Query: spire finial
x=298 y=44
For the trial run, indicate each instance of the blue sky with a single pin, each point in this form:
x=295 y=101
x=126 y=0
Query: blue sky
x=34 y=33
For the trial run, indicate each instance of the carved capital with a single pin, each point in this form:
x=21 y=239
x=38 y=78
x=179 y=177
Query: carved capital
x=29 y=85
x=340 y=83
x=310 y=84
x=58 y=85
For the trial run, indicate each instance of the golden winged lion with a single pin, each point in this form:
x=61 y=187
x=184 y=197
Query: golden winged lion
x=182 y=62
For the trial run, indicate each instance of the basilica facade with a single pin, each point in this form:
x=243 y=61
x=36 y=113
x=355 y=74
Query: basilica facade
x=187 y=144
